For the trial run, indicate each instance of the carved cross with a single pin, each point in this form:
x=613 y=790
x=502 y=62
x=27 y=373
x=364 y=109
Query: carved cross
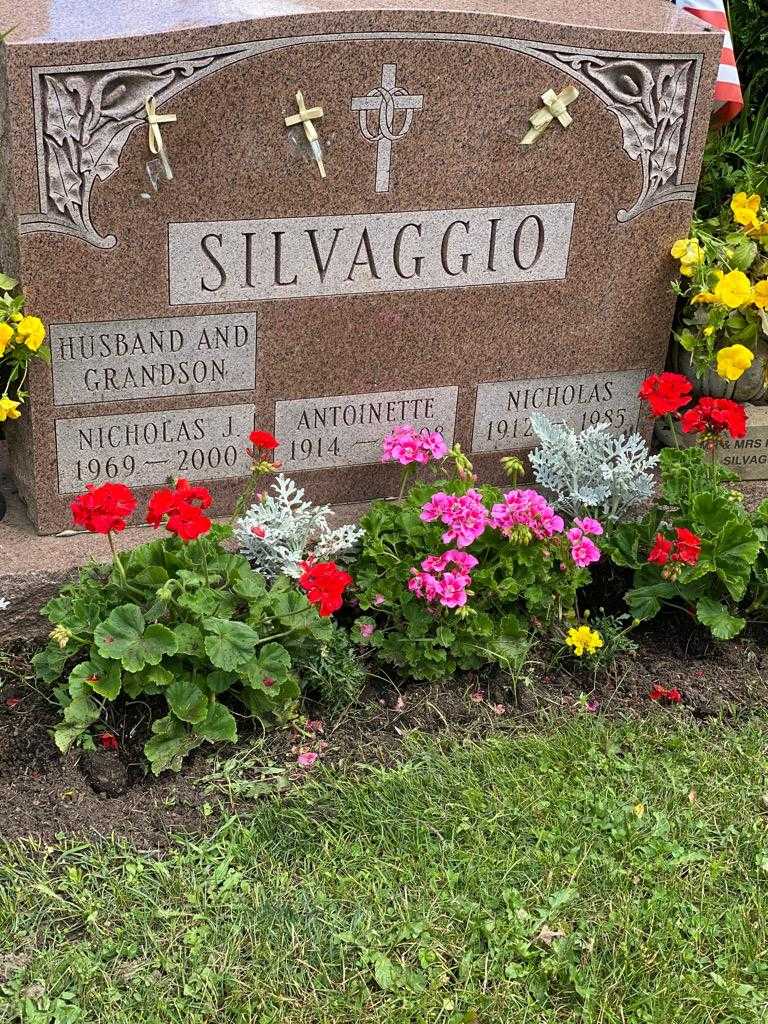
x=305 y=117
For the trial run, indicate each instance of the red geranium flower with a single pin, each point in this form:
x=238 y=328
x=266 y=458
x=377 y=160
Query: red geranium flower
x=263 y=440
x=103 y=509
x=685 y=548
x=188 y=522
x=661 y=551
x=108 y=741
x=662 y=693
x=714 y=415
x=324 y=583
x=183 y=506
x=666 y=392
x=688 y=546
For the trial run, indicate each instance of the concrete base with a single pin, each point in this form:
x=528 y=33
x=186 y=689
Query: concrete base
x=32 y=568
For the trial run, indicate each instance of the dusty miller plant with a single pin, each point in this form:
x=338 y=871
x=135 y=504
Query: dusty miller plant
x=282 y=530
x=592 y=470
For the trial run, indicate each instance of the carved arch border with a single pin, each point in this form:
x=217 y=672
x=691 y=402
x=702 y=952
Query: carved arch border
x=85 y=113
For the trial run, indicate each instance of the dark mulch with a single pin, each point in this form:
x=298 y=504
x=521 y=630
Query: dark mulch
x=103 y=793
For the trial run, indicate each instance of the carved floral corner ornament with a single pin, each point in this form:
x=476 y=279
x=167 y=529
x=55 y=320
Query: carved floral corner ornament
x=84 y=115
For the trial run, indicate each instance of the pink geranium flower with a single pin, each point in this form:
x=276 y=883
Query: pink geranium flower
x=584 y=552
x=466 y=517
x=526 y=508
x=306 y=759
x=407 y=445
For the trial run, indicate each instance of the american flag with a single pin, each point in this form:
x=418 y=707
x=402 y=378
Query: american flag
x=728 y=99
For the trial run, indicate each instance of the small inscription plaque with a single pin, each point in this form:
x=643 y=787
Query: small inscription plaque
x=347 y=430
x=748 y=456
x=242 y=260
x=503 y=410
x=147 y=448
x=127 y=359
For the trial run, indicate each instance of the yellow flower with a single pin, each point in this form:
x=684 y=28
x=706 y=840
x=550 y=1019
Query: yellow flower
x=760 y=294
x=690 y=254
x=31 y=332
x=9 y=410
x=746 y=209
x=709 y=330
x=733 y=289
x=704 y=297
x=61 y=635
x=733 y=361
x=583 y=640
x=6 y=336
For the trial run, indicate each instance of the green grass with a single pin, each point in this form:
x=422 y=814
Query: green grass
x=428 y=892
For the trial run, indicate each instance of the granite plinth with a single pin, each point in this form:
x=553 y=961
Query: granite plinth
x=438 y=256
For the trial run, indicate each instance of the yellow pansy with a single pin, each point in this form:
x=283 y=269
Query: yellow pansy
x=760 y=294
x=733 y=361
x=9 y=410
x=746 y=209
x=6 y=336
x=31 y=332
x=583 y=640
x=690 y=254
x=704 y=297
x=733 y=289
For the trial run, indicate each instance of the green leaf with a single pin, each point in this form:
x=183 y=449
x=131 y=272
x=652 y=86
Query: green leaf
x=49 y=663
x=7 y=283
x=123 y=637
x=271 y=662
x=229 y=644
x=645 y=601
x=218 y=681
x=79 y=714
x=98 y=675
x=189 y=639
x=187 y=701
x=711 y=511
x=716 y=616
x=169 y=745
x=733 y=552
x=151 y=680
x=219 y=725
x=250 y=586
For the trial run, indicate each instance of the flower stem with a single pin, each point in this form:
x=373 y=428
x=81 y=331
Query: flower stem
x=671 y=421
x=116 y=558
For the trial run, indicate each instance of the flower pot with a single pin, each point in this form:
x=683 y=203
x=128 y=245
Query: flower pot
x=751 y=387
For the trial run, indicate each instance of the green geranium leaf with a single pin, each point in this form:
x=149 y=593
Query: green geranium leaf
x=218 y=681
x=711 y=511
x=645 y=601
x=187 y=701
x=79 y=714
x=123 y=637
x=151 y=680
x=733 y=552
x=219 y=725
x=271 y=662
x=98 y=675
x=49 y=663
x=229 y=644
x=716 y=616
x=170 y=744
x=189 y=639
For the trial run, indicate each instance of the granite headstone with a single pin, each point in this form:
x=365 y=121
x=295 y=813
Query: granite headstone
x=442 y=273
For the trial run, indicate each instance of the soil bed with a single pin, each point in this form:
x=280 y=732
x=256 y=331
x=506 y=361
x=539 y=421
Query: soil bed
x=102 y=793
